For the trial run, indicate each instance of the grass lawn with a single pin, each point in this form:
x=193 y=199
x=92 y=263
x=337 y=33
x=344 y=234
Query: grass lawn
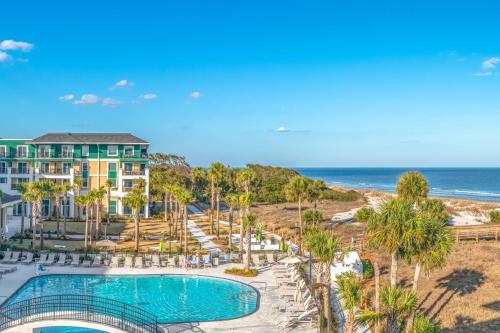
x=73 y=227
x=70 y=245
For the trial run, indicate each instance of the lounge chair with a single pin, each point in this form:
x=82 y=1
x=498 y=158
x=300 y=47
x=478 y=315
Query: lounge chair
x=195 y=262
x=97 y=262
x=182 y=262
x=256 y=260
x=50 y=259
x=129 y=262
x=6 y=257
x=115 y=263
x=14 y=258
x=206 y=261
x=139 y=262
x=87 y=261
x=171 y=262
x=62 y=259
x=7 y=269
x=305 y=317
x=28 y=260
x=155 y=261
x=75 y=259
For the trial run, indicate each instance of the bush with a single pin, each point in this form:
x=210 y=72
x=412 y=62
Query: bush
x=340 y=196
x=363 y=214
x=367 y=268
x=241 y=272
x=311 y=216
x=495 y=216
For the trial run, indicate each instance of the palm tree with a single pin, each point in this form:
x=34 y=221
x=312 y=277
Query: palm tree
x=245 y=201
x=244 y=178
x=350 y=287
x=233 y=201
x=297 y=190
x=412 y=187
x=248 y=222
x=55 y=191
x=83 y=201
x=77 y=185
x=99 y=195
x=396 y=303
x=109 y=185
x=216 y=173
x=22 y=188
x=66 y=187
x=185 y=197
x=428 y=243
x=90 y=213
x=316 y=189
x=387 y=230
x=136 y=200
x=324 y=247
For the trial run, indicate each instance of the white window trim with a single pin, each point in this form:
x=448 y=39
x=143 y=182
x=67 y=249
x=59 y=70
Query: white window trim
x=25 y=146
x=43 y=146
x=116 y=150
x=128 y=147
x=4 y=149
x=115 y=164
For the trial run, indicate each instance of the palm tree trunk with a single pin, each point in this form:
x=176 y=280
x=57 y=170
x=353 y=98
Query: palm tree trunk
x=392 y=324
x=33 y=224
x=58 y=205
x=87 y=213
x=136 y=222
x=212 y=194
x=230 y=240
x=165 y=207
x=185 y=229
x=91 y=216
x=376 y=269
x=23 y=211
x=179 y=217
x=241 y=233
x=64 y=215
x=411 y=317
x=249 y=247
x=326 y=296
x=394 y=267
x=300 y=226
x=217 y=216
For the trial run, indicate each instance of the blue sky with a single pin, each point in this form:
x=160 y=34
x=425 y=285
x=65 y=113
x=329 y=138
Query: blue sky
x=291 y=83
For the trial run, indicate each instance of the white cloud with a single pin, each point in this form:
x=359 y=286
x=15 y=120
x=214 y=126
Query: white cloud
x=491 y=63
x=282 y=129
x=88 y=99
x=4 y=56
x=195 y=95
x=12 y=45
x=483 y=74
x=149 y=96
x=123 y=84
x=68 y=97
x=108 y=101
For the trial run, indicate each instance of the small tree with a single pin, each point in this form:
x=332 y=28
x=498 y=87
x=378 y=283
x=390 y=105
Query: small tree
x=248 y=223
x=136 y=200
x=412 y=187
x=364 y=214
x=297 y=190
x=495 y=216
x=311 y=216
x=350 y=292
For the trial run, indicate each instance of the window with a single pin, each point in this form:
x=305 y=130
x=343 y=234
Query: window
x=3 y=168
x=127 y=210
x=128 y=151
x=112 y=207
x=85 y=167
x=45 y=167
x=3 y=151
x=85 y=150
x=111 y=167
x=66 y=167
x=22 y=168
x=22 y=151
x=112 y=150
x=67 y=151
x=65 y=207
x=3 y=180
x=85 y=183
x=128 y=167
x=127 y=184
x=45 y=208
x=44 y=151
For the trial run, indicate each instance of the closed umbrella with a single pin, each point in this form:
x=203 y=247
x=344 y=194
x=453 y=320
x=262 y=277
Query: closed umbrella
x=162 y=245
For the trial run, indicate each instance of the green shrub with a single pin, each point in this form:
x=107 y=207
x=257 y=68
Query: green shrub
x=367 y=268
x=363 y=214
x=311 y=216
x=495 y=216
x=334 y=195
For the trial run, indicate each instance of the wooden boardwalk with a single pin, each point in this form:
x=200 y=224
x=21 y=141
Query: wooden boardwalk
x=476 y=232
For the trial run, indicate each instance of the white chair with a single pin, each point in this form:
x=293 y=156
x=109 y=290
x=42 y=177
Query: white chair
x=62 y=259
x=29 y=259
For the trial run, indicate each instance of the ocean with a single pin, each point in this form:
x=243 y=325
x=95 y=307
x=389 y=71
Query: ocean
x=466 y=183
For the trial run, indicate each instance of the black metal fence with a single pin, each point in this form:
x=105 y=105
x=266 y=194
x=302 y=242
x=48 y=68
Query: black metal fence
x=87 y=308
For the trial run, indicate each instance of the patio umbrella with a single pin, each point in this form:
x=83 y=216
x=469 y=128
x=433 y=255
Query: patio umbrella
x=106 y=243
x=162 y=245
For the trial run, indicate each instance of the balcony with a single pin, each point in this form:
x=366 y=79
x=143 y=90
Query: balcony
x=134 y=172
x=56 y=172
x=20 y=171
x=64 y=154
x=127 y=188
x=140 y=156
x=3 y=171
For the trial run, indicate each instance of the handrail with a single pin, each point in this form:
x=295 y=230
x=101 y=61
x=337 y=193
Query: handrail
x=87 y=308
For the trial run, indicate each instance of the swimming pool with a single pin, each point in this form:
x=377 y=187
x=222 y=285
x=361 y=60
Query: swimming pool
x=173 y=298
x=66 y=329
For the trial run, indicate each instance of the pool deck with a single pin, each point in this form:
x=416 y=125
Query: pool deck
x=265 y=319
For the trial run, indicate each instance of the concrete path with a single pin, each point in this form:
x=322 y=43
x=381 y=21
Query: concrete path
x=198 y=233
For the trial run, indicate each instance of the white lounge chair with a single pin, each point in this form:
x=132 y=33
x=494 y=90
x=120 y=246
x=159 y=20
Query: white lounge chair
x=171 y=262
x=28 y=260
x=75 y=259
x=14 y=258
x=207 y=262
x=62 y=259
x=139 y=262
x=50 y=259
x=305 y=317
x=270 y=258
x=97 y=262
x=6 y=257
x=114 y=262
x=155 y=261
x=87 y=261
x=129 y=262
x=182 y=262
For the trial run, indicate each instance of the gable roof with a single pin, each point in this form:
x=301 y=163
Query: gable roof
x=89 y=138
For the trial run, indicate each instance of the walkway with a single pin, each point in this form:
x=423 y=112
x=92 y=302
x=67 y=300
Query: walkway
x=198 y=233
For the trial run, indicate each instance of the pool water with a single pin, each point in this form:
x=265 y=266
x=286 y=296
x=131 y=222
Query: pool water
x=172 y=298
x=66 y=329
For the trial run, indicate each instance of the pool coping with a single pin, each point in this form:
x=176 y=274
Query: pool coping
x=257 y=307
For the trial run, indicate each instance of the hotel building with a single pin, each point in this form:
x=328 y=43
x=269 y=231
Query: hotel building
x=96 y=158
